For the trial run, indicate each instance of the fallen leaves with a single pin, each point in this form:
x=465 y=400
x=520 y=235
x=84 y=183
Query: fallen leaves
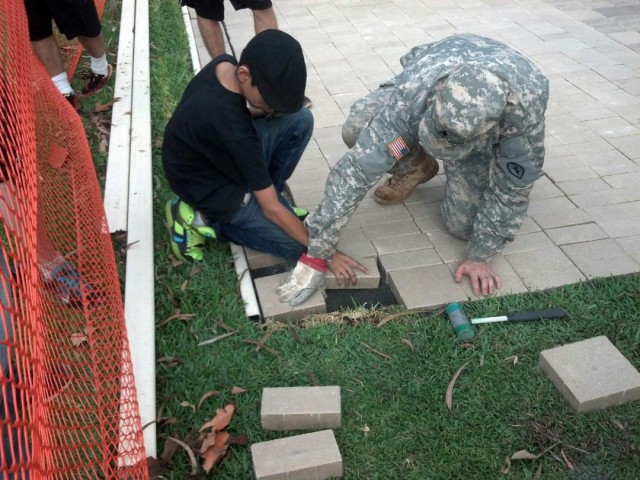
x=415 y=311
x=513 y=358
x=211 y=445
x=176 y=316
x=215 y=339
x=216 y=441
x=222 y=419
x=448 y=397
x=409 y=344
x=525 y=455
x=377 y=352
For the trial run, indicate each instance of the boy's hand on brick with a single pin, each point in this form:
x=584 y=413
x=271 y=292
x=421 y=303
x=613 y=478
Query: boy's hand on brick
x=344 y=268
x=304 y=280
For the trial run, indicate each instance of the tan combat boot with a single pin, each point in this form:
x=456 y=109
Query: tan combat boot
x=398 y=187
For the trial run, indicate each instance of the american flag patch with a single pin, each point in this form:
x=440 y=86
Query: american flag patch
x=398 y=148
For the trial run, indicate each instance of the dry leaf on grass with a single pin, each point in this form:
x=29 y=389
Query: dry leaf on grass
x=176 y=316
x=506 y=467
x=170 y=362
x=566 y=460
x=216 y=442
x=523 y=455
x=103 y=146
x=215 y=453
x=618 y=424
x=188 y=404
x=155 y=468
x=513 y=358
x=161 y=421
x=174 y=261
x=409 y=344
x=215 y=339
x=210 y=393
x=105 y=107
x=526 y=455
x=222 y=418
x=226 y=327
x=170 y=449
x=538 y=472
x=448 y=397
x=209 y=441
x=237 y=390
x=192 y=457
x=393 y=316
x=377 y=352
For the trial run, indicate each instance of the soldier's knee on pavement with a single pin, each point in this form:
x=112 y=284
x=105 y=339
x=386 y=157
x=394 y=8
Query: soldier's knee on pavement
x=460 y=226
x=350 y=134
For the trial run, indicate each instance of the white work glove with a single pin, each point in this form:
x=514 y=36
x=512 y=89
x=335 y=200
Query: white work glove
x=304 y=280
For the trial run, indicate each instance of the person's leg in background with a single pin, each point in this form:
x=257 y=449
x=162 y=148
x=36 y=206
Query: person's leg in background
x=264 y=19
x=209 y=13
x=81 y=21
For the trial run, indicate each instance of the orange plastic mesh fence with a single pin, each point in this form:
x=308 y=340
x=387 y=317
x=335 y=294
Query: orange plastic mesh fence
x=68 y=405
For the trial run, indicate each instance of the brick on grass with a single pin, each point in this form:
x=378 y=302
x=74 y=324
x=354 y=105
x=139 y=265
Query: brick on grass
x=301 y=408
x=274 y=309
x=591 y=374
x=312 y=456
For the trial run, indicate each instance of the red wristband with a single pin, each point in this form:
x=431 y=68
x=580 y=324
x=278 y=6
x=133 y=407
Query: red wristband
x=315 y=263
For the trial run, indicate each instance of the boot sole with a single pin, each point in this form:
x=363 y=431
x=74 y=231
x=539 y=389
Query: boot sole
x=432 y=173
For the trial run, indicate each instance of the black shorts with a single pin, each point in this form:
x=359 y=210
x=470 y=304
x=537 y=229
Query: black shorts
x=214 y=9
x=72 y=17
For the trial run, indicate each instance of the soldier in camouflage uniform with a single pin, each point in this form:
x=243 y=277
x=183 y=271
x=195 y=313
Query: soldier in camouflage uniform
x=469 y=101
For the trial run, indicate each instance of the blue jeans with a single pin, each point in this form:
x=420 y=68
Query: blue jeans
x=283 y=141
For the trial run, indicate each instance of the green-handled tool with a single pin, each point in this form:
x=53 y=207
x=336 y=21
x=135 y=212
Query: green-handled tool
x=527 y=316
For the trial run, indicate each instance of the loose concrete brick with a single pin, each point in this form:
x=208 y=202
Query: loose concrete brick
x=381 y=215
x=365 y=280
x=547 y=268
x=312 y=456
x=601 y=258
x=407 y=260
x=301 y=408
x=276 y=310
x=425 y=287
x=257 y=259
x=576 y=234
x=391 y=229
x=413 y=241
x=591 y=374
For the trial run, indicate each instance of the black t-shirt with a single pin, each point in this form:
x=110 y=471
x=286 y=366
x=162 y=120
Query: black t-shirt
x=211 y=152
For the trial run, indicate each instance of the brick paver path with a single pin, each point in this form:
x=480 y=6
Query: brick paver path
x=584 y=216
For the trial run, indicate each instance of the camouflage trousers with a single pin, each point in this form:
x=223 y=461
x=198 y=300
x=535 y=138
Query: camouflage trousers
x=347 y=184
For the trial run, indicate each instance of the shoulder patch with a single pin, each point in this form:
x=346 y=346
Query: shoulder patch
x=516 y=170
x=398 y=148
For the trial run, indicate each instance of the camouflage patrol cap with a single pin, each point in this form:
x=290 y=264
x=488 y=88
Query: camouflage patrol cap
x=467 y=105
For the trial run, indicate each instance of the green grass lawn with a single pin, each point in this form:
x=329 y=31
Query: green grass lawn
x=395 y=421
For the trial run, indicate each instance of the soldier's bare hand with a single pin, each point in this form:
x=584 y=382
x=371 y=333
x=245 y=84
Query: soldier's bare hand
x=484 y=281
x=343 y=267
